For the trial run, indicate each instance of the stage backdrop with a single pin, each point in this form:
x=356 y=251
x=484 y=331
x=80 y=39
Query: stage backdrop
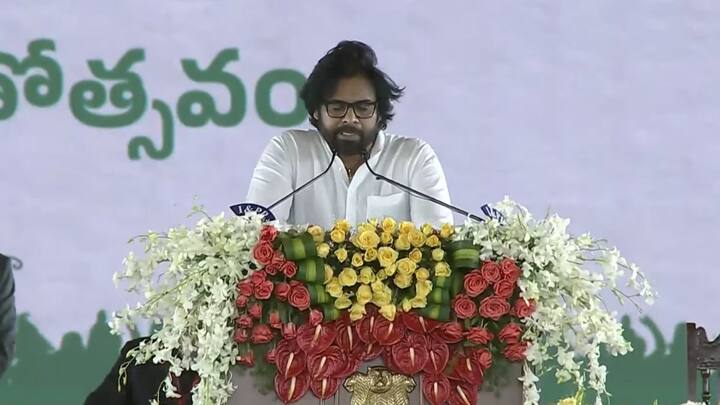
x=115 y=115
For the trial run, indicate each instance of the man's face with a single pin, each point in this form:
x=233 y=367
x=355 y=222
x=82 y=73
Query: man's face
x=349 y=130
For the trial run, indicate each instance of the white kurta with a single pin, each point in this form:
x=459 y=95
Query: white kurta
x=296 y=156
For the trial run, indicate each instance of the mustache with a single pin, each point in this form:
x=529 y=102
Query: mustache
x=349 y=129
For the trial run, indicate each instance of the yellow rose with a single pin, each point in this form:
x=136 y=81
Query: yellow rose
x=341 y=254
x=405 y=305
x=416 y=238
x=422 y=273
x=328 y=273
x=373 y=222
x=442 y=269
x=406 y=227
x=446 y=230
x=567 y=401
x=348 y=277
x=415 y=255
x=343 y=302
x=368 y=239
x=423 y=288
x=386 y=238
x=370 y=255
x=337 y=235
x=381 y=298
x=317 y=233
x=402 y=242
x=357 y=311
x=367 y=275
x=387 y=256
x=438 y=254
x=418 y=302
x=357 y=260
x=381 y=274
x=323 y=250
x=388 y=225
x=406 y=267
x=333 y=288
x=342 y=224
x=402 y=281
x=433 y=241
x=388 y=311
x=377 y=286
x=390 y=270
x=426 y=229
x=364 y=294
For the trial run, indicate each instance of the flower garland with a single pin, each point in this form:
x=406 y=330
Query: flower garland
x=445 y=303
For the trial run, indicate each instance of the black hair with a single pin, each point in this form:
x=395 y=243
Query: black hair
x=347 y=59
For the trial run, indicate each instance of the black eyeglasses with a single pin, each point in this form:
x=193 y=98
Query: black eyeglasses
x=362 y=109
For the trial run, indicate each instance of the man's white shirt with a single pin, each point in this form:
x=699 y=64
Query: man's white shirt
x=296 y=156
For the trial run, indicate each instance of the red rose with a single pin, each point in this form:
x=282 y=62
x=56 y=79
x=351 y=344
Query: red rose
x=264 y=290
x=263 y=252
x=474 y=283
x=479 y=335
x=289 y=268
x=274 y=320
x=315 y=317
x=268 y=233
x=244 y=321
x=271 y=356
x=511 y=333
x=299 y=297
x=258 y=278
x=241 y=335
x=510 y=270
x=491 y=272
x=449 y=332
x=464 y=307
x=515 y=351
x=261 y=334
x=483 y=357
x=248 y=359
x=272 y=268
x=245 y=288
x=289 y=331
x=282 y=290
x=494 y=307
x=255 y=310
x=524 y=309
x=504 y=288
x=241 y=301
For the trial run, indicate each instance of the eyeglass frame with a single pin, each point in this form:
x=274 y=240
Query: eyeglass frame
x=354 y=108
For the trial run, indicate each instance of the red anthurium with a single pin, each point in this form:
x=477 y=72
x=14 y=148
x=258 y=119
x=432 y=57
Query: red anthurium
x=436 y=388
x=411 y=353
x=291 y=389
x=417 y=323
x=371 y=351
x=325 y=388
x=469 y=370
x=438 y=355
x=463 y=394
x=327 y=363
x=365 y=326
x=347 y=337
x=289 y=359
x=388 y=333
x=315 y=339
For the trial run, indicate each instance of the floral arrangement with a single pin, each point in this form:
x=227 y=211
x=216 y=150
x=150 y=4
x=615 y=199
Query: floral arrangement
x=446 y=304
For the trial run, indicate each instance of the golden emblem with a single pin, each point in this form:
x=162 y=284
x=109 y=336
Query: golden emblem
x=379 y=387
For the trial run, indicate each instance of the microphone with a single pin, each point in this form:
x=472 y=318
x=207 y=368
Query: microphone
x=243 y=208
x=491 y=212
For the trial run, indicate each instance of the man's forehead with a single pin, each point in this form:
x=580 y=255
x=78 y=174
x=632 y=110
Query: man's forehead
x=354 y=89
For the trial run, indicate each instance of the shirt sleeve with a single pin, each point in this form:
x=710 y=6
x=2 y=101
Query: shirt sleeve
x=272 y=177
x=7 y=314
x=428 y=176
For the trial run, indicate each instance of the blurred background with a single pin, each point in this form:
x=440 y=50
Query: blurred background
x=605 y=112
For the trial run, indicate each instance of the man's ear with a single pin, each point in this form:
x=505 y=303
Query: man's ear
x=316 y=116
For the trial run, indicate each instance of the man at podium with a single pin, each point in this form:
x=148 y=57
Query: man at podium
x=350 y=102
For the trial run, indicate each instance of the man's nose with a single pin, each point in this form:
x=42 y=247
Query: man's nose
x=350 y=116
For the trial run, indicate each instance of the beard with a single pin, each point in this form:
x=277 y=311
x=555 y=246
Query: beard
x=347 y=140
